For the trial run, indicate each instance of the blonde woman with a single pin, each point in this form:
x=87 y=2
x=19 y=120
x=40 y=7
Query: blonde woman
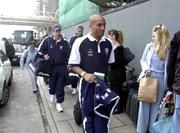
x=117 y=72
x=153 y=64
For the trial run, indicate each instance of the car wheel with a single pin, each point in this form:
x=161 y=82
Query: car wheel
x=5 y=96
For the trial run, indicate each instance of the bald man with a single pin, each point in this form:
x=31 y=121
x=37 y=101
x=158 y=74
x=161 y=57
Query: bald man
x=91 y=53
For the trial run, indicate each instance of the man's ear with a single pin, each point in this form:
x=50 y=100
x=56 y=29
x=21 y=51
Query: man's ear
x=90 y=25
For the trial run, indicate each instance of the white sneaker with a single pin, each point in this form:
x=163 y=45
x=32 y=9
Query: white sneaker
x=74 y=91
x=52 y=98
x=59 y=107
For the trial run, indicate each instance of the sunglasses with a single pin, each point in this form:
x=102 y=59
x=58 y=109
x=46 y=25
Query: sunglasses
x=157 y=27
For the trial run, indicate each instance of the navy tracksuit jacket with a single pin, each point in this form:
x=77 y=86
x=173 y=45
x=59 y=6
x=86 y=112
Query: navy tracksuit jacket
x=98 y=104
x=59 y=54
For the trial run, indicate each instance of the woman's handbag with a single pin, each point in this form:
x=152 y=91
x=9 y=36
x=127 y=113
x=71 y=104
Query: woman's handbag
x=148 y=90
x=128 y=55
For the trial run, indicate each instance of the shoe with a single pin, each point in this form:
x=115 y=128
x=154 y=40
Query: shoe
x=74 y=91
x=52 y=98
x=59 y=107
x=35 y=91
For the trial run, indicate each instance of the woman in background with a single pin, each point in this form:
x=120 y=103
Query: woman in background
x=117 y=72
x=27 y=60
x=153 y=63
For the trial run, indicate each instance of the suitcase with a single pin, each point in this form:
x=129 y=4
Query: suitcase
x=133 y=103
x=135 y=108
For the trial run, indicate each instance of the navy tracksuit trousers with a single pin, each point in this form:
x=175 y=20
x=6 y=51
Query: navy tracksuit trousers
x=92 y=123
x=57 y=82
x=73 y=81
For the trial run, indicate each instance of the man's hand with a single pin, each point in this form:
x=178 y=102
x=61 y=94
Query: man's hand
x=46 y=56
x=90 y=78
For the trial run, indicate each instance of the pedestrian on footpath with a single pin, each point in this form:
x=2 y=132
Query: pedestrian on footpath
x=56 y=48
x=92 y=53
x=10 y=51
x=117 y=72
x=74 y=78
x=173 y=79
x=153 y=63
x=27 y=61
x=79 y=33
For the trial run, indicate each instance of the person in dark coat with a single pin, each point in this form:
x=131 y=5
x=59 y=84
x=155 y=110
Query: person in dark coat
x=117 y=72
x=74 y=78
x=173 y=78
x=79 y=33
x=10 y=51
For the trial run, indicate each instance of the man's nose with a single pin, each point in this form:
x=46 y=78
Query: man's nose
x=102 y=27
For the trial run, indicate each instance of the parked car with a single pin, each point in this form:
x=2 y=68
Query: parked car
x=6 y=76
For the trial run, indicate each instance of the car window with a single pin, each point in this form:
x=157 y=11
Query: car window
x=3 y=57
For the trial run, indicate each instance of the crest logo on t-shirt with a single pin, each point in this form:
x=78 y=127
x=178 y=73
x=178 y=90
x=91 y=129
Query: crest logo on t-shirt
x=106 y=51
x=90 y=52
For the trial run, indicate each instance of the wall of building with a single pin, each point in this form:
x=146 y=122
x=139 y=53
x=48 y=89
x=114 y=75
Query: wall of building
x=137 y=22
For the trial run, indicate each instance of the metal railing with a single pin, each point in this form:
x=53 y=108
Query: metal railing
x=38 y=19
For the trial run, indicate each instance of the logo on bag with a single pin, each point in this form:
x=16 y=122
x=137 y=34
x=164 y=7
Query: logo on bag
x=60 y=47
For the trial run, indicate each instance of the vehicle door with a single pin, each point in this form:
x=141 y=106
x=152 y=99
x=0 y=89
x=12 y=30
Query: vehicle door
x=6 y=65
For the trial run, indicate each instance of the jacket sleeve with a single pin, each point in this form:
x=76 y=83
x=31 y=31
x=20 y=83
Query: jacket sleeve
x=174 y=46
x=68 y=48
x=71 y=41
x=165 y=70
x=119 y=58
x=10 y=52
x=23 y=59
x=43 y=47
x=143 y=61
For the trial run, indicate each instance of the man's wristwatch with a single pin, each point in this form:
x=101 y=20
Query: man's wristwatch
x=83 y=74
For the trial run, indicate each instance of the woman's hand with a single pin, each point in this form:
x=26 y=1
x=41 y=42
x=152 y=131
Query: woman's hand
x=90 y=78
x=148 y=73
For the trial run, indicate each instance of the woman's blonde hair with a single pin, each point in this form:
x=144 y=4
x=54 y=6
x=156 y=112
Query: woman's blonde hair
x=118 y=35
x=162 y=41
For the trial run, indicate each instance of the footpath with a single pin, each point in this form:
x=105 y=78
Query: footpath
x=64 y=122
